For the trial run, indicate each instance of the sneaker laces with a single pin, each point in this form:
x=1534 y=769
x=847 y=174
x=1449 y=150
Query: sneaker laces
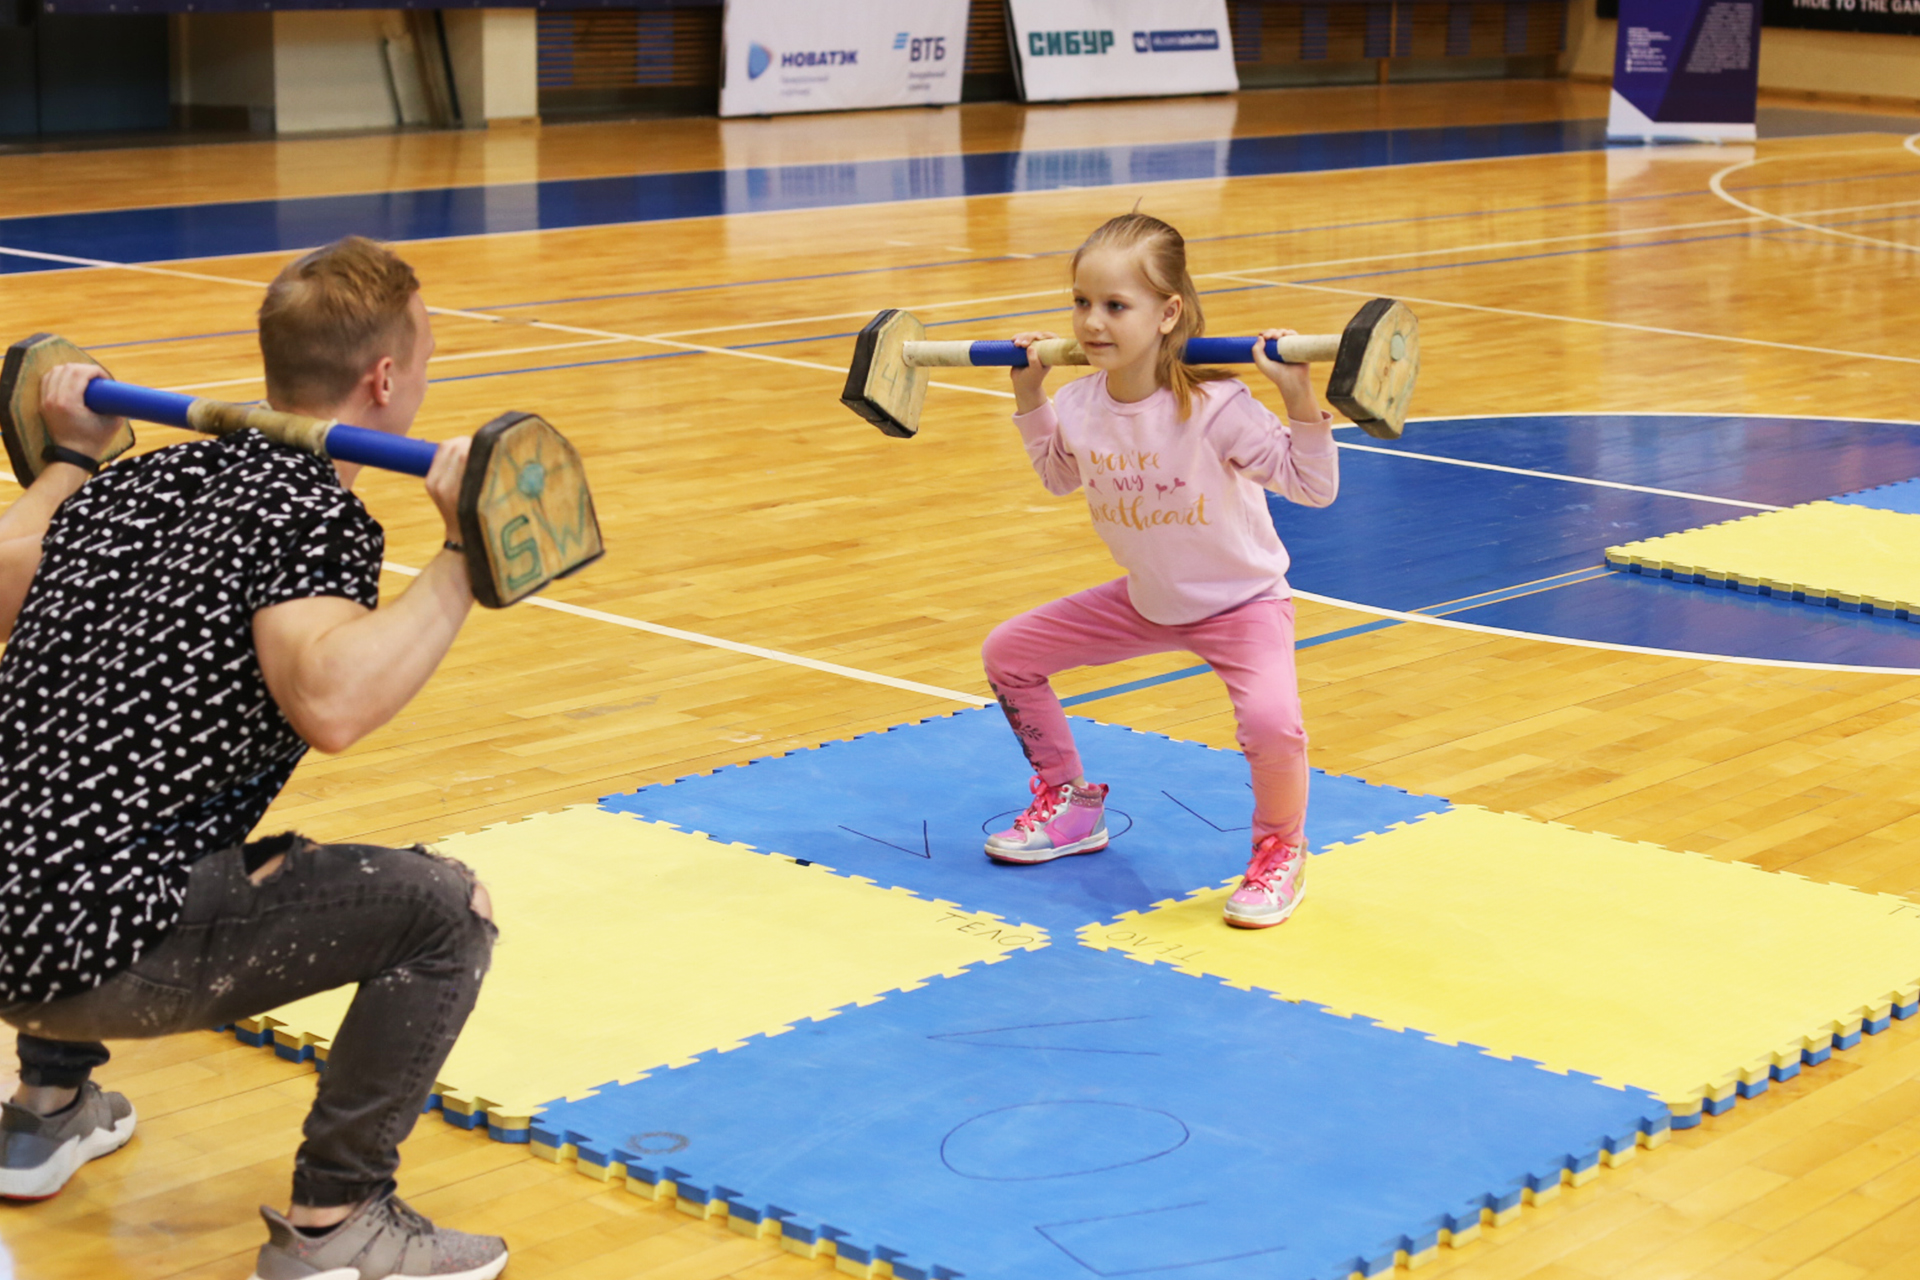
x=1268 y=857
x=1046 y=803
x=406 y=1217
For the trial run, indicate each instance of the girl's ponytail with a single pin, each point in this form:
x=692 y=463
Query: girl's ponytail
x=1161 y=253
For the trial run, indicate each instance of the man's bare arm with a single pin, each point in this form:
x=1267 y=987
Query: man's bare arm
x=338 y=670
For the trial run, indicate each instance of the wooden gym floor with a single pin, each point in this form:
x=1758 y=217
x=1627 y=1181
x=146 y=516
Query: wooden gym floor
x=743 y=505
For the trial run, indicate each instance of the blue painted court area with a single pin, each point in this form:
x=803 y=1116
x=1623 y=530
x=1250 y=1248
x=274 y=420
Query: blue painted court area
x=1780 y=461
x=912 y=807
x=270 y=226
x=1709 y=620
x=1417 y=534
x=1903 y=497
x=1070 y=1113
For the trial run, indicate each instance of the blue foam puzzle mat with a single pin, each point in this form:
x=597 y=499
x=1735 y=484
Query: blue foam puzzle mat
x=1902 y=496
x=1069 y=1113
x=913 y=805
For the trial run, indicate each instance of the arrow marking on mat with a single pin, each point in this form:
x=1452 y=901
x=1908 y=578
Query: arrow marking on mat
x=969 y=1037
x=1203 y=817
x=926 y=842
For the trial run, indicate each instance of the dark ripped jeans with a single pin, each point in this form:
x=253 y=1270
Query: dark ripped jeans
x=397 y=921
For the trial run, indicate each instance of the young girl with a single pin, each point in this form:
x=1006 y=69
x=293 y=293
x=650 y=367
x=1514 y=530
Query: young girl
x=1174 y=460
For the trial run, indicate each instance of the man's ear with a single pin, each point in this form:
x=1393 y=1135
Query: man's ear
x=380 y=381
x=1170 y=315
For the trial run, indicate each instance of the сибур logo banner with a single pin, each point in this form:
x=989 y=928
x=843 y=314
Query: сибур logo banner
x=1065 y=49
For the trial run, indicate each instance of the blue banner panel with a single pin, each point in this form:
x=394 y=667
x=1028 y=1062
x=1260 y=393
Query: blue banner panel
x=1685 y=70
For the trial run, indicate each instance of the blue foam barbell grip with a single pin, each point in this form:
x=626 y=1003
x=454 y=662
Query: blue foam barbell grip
x=122 y=400
x=999 y=351
x=348 y=444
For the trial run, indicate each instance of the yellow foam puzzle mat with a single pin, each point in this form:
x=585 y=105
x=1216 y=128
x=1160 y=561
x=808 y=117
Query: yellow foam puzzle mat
x=1693 y=979
x=638 y=946
x=1841 y=555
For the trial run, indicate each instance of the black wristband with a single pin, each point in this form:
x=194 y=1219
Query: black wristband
x=60 y=453
x=454 y=547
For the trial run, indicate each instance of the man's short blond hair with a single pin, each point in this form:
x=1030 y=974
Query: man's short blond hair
x=331 y=314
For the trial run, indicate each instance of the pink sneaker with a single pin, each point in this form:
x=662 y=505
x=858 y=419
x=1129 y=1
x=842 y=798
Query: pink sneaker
x=1061 y=820
x=1271 y=889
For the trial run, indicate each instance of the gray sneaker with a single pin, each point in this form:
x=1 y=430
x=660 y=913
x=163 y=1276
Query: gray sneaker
x=382 y=1240
x=39 y=1153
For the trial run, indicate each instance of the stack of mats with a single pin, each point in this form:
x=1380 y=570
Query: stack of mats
x=1859 y=552
x=794 y=996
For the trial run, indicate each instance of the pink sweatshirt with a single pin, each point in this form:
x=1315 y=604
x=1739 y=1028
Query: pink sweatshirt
x=1179 y=504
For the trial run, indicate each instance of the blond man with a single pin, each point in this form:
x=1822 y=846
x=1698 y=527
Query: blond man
x=182 y=629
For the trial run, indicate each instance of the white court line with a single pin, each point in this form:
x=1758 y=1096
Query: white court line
x=484 y=317
x=464 y=355
x=1056 y=291
x=175 y=272
x=682 y=346
x=525 y=351
x=612 y=335
x=1375 y=610
x=1478 y=247
x=185 y=387
x=1554 y=475
x=869 y=677
x=1584 y=235
x=1482 y=628
x=756 y=213
x=670 y=337
x=1650 y=413
x=1717 y=184
x=1483 y=246
x=732 y=646
x=1588 y=320
x=960 y=197
x=1240 y=277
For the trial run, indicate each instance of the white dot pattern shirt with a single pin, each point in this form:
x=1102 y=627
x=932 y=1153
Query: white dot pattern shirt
x=136 y=731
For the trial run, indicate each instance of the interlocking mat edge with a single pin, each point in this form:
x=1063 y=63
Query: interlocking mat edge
x=1840 y=555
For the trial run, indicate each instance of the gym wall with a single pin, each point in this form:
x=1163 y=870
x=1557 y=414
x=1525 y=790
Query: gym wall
x=665 y=54
x=78 y=73
x=1293 y=43
x=292 y=71
x=312 y=70
x=285 y=71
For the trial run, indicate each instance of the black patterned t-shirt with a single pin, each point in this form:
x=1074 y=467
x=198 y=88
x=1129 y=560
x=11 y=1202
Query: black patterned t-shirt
x=136 y=731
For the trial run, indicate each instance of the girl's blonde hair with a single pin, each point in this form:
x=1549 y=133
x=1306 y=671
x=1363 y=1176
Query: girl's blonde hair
x=1161 y=254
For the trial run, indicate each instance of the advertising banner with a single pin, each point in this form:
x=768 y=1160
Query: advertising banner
x=834 y=55
x=1685 y=71
x=1065 y=49
x=1888 y=17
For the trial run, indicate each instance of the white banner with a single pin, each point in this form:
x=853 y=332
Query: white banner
x=782 y=56
x=1121 y=48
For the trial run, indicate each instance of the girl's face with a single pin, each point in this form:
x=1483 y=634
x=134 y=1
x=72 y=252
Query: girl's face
x=1117 y=316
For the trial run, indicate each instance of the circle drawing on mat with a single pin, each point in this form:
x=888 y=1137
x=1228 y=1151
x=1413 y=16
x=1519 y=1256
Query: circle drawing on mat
x=657 y=1143
x=1033 y=1141
x=1001 y=821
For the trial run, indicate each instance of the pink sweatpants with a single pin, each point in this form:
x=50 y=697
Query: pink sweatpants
x=1249 y=647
